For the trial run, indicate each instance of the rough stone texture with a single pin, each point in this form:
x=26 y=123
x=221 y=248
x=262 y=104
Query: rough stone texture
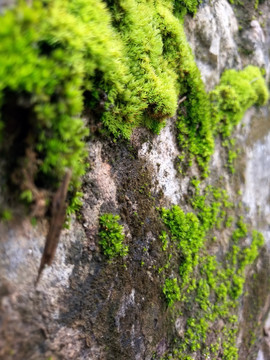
x=161 y=154
x=30 y=316
x=99 y=186
x=256 y=188
x=87 y=308
x=254 y=169
x=83 y=302
x=254 y=36
x=4 y=4
x=211 y=35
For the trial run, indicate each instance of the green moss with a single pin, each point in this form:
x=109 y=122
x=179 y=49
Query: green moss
x=73 y=55
x=236 y=92
x=171 y=291
x=164 y=238
x=112 y=236
x=140 y=32
x=251 y=253
x=27 y=196
x=207 y=115
x=41 y=79
x=6 y=215
x=189 y=235
x=209 y=287
x=241 y=230
x=75 y=203
x=127 y=62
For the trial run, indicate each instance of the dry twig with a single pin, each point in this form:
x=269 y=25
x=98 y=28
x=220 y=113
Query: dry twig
x=56 y=225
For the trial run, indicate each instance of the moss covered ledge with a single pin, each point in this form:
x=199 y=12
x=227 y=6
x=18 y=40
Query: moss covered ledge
x=60 y=58
x=124 y=62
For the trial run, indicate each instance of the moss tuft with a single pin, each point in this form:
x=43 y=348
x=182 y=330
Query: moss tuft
x=112 y=236
x=236 y=92
x=205 y=116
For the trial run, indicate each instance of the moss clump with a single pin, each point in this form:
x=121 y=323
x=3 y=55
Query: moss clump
x=186 y=230
x=60 y=57
x=6 y=215
x=127 y=62
x=206 y=116
x=171 y=291
x=152 y=80
x=41 y=96
x=236 y=92
x=112 y=236
x=241 y=230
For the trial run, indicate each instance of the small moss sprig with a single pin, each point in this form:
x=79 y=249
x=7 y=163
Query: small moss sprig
x=171 y=291
x=112 y=236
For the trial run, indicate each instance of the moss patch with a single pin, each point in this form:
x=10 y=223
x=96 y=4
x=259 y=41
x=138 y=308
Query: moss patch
x=209 y=286
x=217 y=114
x=112 y=236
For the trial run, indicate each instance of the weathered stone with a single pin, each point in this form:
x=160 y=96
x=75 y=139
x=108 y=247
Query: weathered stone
x=88 y=308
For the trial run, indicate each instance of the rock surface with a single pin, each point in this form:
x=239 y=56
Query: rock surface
x=88 y=308
x=212 y=36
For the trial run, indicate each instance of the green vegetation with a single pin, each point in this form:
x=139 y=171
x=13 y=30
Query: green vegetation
x=218 y=113
x=5 y=215
x=236 y=92
x=45 y=59
x=41 y=96
x=122 y=62
x=127 y=63
x=208 y=286
x=171 y=291
x=112 y=236
x=164 y=238
x=241 y=230
x=251 y=253
x=186 y=230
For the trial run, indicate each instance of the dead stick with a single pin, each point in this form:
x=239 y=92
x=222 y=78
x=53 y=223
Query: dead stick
x=181 y=100
x=57 y=220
